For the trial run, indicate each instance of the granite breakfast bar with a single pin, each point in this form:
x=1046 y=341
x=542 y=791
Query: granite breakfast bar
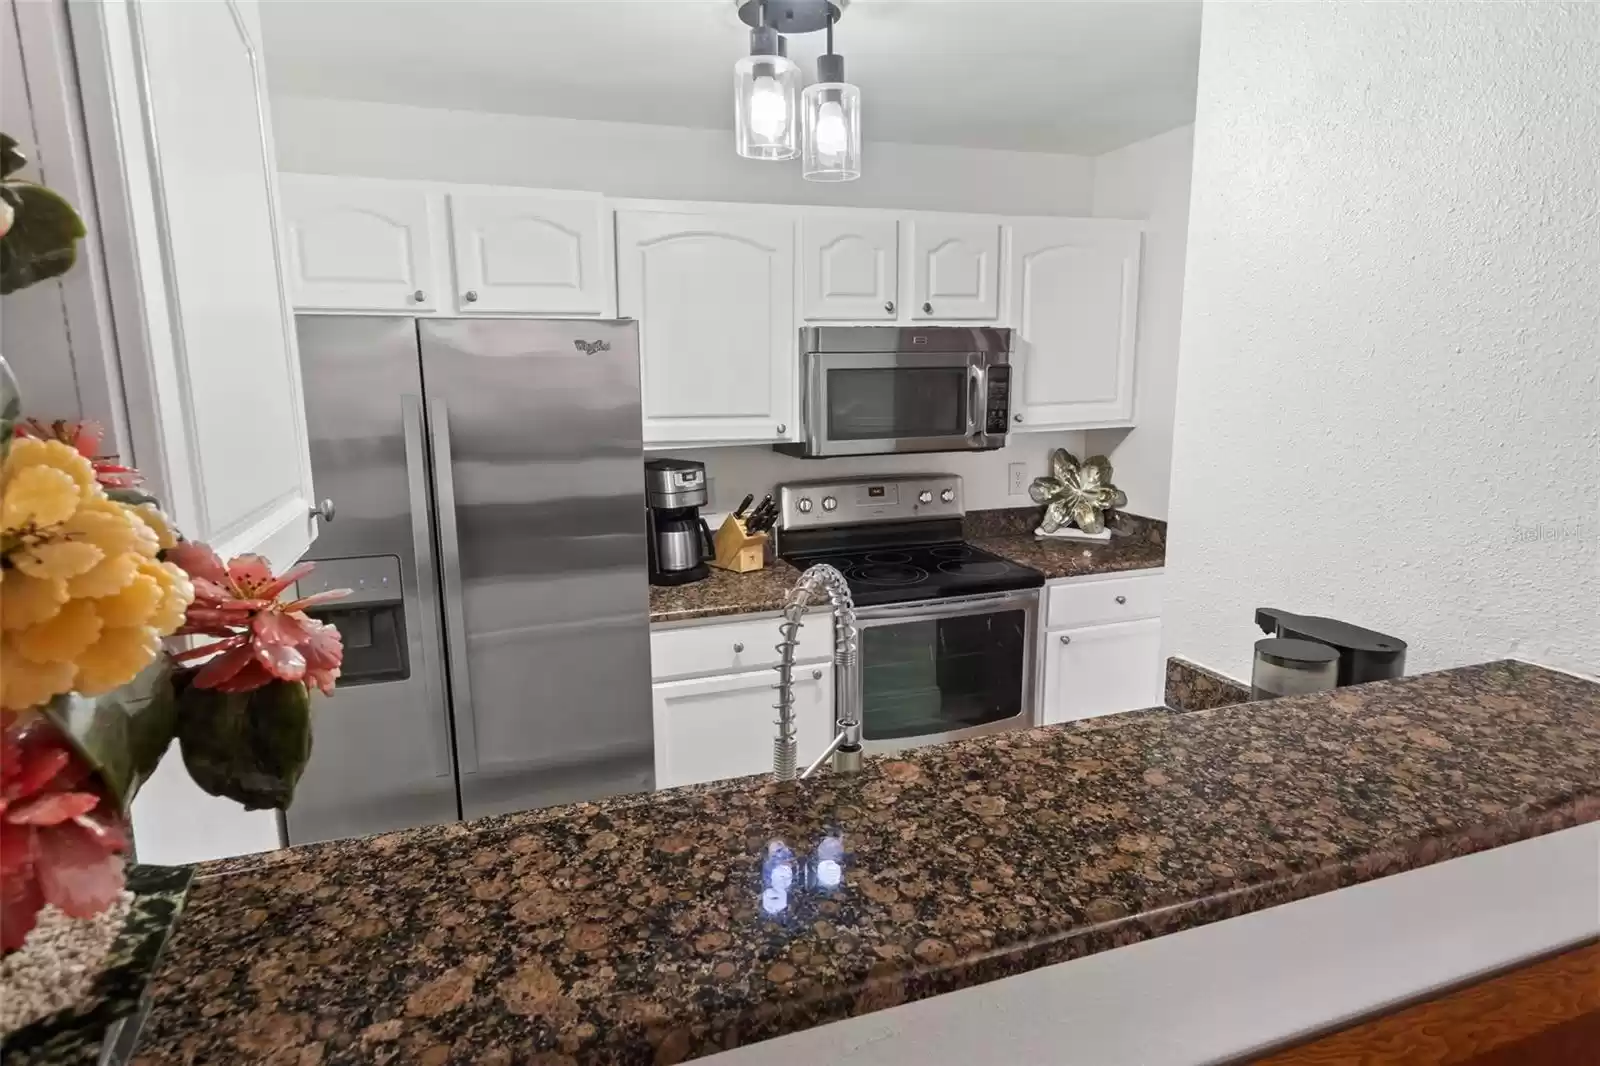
x=631 y=931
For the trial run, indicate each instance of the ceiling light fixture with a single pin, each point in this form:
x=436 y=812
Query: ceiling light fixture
x=831 y=116
x=766 y=85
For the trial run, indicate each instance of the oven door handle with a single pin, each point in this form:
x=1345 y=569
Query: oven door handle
x=904 y=612
x=977 y=389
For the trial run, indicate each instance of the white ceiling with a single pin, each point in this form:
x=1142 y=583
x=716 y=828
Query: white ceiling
x=1079 y=76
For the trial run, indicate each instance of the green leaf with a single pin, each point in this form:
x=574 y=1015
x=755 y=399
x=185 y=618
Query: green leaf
x=122 y=734
x=11 y=157
x=43 y=240
x=10 y=408
x=250 y=747
x=132 y=497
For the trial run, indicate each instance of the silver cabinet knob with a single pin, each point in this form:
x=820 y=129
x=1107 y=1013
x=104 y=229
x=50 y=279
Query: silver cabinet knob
x=927 y=309
x=738 y=646
x=1066 y=638
x=816 y=675
x=323 y=510
x=1017 y=417
x=1122 y=599
x=471 y=296
x=888 y=305
x=419 y=296
x=782 y=429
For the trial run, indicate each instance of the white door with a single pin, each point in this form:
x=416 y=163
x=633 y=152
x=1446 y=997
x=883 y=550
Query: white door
x=1105 y=669
x=1074 y=295
x=714 y=296
x=955 y=270
x=712 y=728
x=538 y=253
x=849 y=268
x=354 y=245
x=176 y=104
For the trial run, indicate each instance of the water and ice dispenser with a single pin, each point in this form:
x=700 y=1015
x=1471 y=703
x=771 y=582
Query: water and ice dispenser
x=372 y=619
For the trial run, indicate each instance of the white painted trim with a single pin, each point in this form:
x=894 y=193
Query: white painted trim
x=1242 y=986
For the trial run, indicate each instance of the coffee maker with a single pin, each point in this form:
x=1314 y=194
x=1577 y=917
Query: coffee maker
x=680 y=540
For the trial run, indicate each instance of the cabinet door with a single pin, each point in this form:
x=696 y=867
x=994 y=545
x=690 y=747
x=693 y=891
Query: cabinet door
x=1099 y=670
x=540 y=253
x=712 y=728
x=359 y=245
x=714 y=296
x=1074 y=288
x=849 y=268
x=955 y=270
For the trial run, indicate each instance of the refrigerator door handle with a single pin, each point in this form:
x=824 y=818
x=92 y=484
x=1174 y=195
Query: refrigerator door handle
x=427 y=590
x=455 y=620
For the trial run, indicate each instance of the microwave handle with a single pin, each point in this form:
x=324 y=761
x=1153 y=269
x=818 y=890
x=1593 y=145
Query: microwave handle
x=977 y=393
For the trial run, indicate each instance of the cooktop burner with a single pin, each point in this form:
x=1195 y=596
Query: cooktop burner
x=921 y=572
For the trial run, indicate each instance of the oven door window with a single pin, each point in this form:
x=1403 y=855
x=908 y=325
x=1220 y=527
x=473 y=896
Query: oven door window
x=942 y=675
x=895 y=402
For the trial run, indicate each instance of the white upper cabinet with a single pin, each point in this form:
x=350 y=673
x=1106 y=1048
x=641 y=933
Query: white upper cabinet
x=849 y=268
x=1074 y=296
x=714 y=296
x=539 y=253
x=955 y=269
x=356 y=245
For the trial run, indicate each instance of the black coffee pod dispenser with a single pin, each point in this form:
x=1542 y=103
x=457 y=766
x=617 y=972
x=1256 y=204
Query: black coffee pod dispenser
x=1364 y=655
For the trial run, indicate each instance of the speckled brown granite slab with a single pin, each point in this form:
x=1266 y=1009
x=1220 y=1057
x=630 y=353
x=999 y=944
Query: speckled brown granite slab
x=724 y=593
x=1137 y=543
x=1191 y=687
x=630 y=932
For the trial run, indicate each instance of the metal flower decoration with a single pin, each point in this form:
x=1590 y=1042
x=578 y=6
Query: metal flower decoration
x=1080 y=492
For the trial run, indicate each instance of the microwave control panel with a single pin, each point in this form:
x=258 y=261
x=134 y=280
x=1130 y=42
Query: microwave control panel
x=997 y=420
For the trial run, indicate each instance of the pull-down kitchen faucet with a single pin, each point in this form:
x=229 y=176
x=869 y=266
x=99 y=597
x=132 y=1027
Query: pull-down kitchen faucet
x=845 y=748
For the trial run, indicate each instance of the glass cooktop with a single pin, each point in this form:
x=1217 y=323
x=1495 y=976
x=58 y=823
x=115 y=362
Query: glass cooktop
x=921 y=572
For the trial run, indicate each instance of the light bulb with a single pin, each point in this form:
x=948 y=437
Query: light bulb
x=832 y=138
x=769 y=111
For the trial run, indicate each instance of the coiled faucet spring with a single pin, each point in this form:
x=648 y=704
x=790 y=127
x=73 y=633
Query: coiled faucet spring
x=820 y=581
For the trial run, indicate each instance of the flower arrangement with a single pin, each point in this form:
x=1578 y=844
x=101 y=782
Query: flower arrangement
x=94 y=580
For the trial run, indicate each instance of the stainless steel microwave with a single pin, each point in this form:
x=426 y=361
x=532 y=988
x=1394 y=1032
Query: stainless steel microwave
x=872 y=390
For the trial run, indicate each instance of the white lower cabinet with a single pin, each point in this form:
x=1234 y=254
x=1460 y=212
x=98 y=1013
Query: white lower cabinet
x=710 y=728
x=1101 y=648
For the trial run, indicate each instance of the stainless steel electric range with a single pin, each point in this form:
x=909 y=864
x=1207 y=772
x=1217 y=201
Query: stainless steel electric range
x=947 y=629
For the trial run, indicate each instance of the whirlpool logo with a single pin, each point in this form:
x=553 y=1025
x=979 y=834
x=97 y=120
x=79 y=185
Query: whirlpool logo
x=590 y=347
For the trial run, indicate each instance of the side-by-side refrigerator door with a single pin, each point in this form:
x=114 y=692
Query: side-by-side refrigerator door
x=535 y=435
x=381 y=753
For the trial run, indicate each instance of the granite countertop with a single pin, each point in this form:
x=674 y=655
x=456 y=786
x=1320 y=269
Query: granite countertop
x=1136 y=544
x=629 y=931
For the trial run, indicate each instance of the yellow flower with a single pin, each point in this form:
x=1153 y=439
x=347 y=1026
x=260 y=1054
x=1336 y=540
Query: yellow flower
x=38 y=496
x=24 y=683
x=58 y=560
x=151 y=515
x=30 y=451
x=177 y=592
x=27 y=601
x=111 y=527
x=63 y=638
x=134 y=604
x=116 y=658
x=109 y=577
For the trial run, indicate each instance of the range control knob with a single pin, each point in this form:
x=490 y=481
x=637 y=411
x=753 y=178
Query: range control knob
x=803 y=505
x=948 y=495
x=829 y=503
x=924 y=496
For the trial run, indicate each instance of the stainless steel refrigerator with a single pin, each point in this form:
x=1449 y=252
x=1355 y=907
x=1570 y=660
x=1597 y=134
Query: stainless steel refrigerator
x=486 y=478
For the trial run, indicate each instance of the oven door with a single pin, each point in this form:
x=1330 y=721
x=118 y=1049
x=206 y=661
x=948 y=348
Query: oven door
x=873 y=403
x=946 y=669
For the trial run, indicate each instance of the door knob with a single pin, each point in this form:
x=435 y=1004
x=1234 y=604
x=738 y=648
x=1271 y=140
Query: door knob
x=816 y=675
x=419 y=296
x=889 y=306
x=1066 y=638
x=323 y=510
x=927 y=309
x=782 y=429
x=738 y=647
x=472 y=296
x=1122 y=599
x=1017 y=417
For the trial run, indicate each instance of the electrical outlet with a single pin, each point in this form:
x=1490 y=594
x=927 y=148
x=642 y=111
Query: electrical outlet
x=1019 y=479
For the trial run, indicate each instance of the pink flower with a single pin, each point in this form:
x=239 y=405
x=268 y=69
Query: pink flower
x=85 y=438
x=262 y=638
x=59 y=837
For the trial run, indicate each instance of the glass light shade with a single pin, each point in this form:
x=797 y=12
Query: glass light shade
x=831 y=114
x=766 y=90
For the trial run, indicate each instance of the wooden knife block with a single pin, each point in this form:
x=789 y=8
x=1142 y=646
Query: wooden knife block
x=737 y=550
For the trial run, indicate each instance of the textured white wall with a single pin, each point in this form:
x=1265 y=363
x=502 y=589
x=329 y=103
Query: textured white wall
x=1149 y=180
x=1388 y=401
x=321 y=136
